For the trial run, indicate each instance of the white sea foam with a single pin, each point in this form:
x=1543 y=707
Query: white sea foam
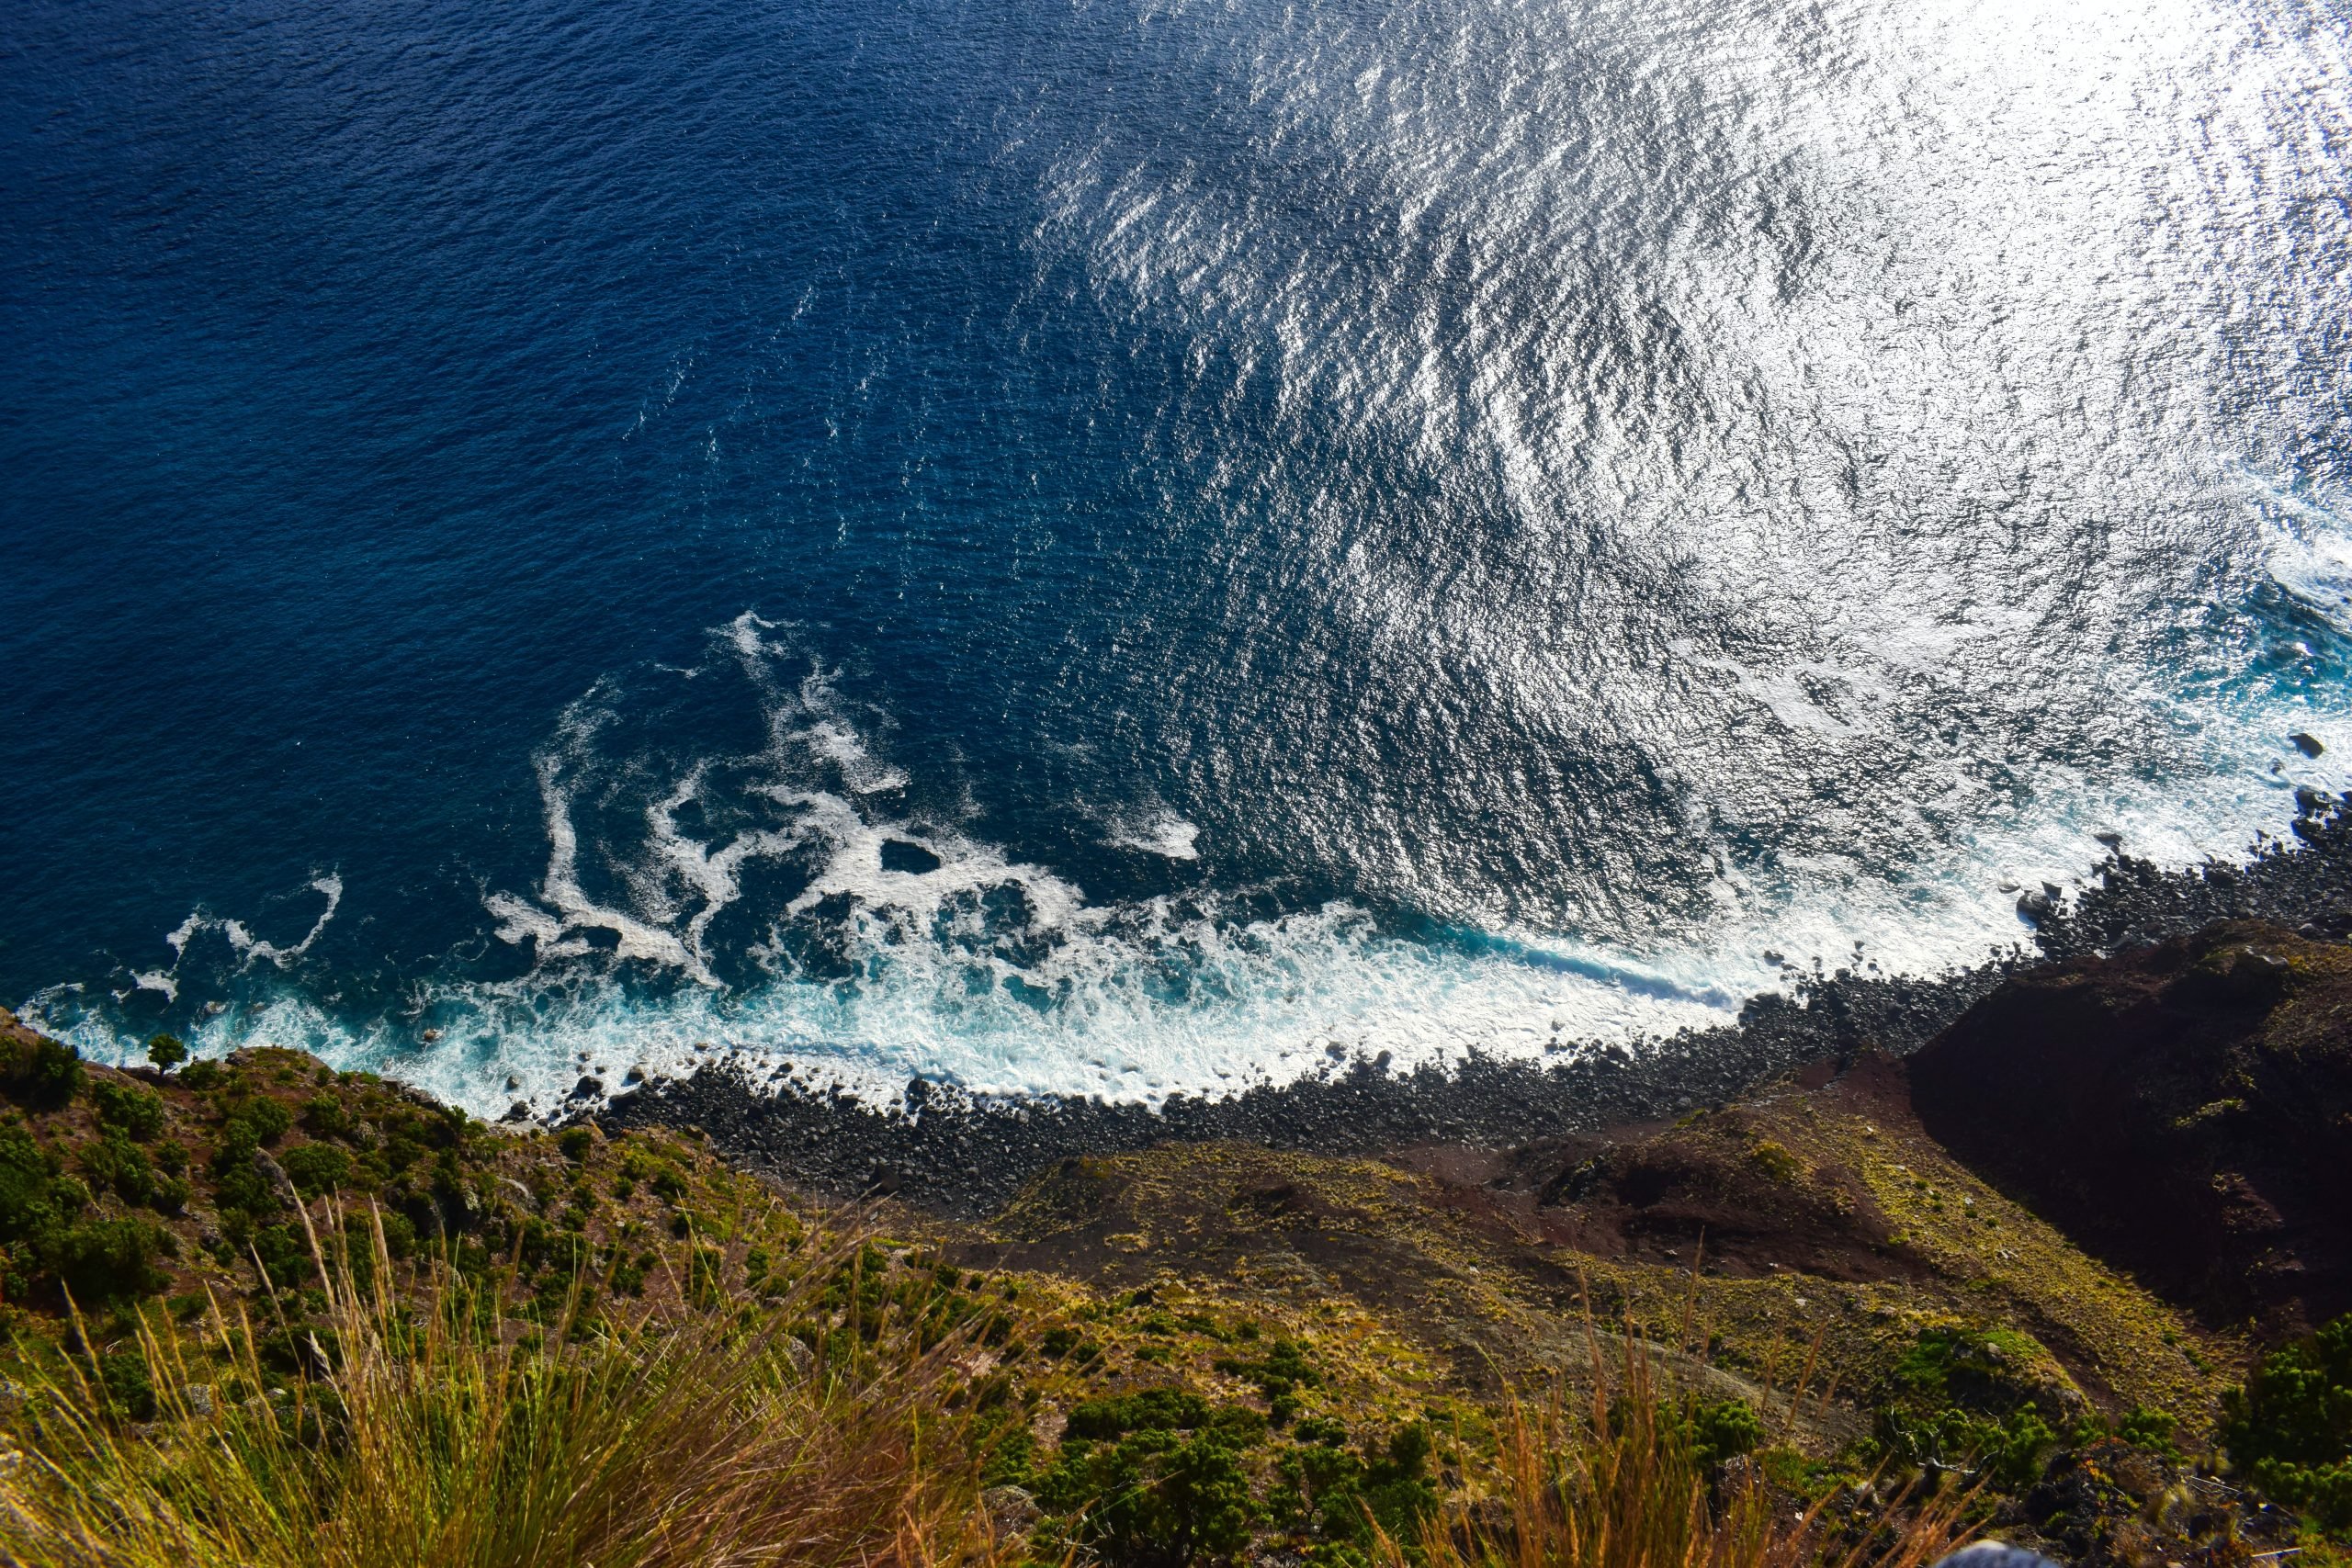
x=1161 y=833
x=1003 y=977
x=178 y=941
x=251 y=947
x=574 y=910
x=248 y=948
x=2308 y=551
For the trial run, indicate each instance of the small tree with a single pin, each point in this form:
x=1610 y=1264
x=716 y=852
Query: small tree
x=167 y=1051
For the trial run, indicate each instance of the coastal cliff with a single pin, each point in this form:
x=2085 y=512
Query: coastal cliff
x=2046 y=1274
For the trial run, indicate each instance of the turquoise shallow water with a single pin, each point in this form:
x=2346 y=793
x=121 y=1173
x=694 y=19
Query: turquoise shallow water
x=1121 y=547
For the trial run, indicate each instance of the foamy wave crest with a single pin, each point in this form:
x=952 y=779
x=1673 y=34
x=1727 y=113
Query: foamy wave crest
x=246 y=949
x=2310 y=552
x=764 y=904
x=1161 y=833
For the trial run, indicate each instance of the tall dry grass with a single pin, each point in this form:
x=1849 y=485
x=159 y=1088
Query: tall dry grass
x=437 y=1430
x=1618 y=1484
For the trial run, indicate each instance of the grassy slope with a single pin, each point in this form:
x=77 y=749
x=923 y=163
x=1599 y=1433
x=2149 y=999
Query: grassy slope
x=1344 y=1300
x=1472 y=1291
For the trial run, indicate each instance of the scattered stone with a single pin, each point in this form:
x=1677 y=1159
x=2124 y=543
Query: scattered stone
x=806 y=1132
x=198 y=1397
x=1012 y=1511
x=2308 y=744
x=279 y=1182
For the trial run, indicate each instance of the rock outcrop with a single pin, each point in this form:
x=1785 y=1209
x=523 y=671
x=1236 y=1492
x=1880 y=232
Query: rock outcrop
x=2183 y=1112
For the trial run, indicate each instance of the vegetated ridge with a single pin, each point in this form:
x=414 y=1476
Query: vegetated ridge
x=1866 y=1308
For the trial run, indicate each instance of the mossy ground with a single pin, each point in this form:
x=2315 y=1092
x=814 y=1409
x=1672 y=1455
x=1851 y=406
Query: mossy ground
x=1350 y=1333
x=1457 y=1288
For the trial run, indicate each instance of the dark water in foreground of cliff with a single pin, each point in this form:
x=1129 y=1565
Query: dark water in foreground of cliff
x=1127 y=548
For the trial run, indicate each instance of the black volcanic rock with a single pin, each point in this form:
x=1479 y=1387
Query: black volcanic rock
x=2183 y=1111
x=966 y=1154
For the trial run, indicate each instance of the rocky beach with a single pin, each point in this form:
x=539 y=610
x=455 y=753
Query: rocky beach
x=941 y=1150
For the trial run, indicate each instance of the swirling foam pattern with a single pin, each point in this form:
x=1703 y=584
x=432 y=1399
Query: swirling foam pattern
x=1131 y=546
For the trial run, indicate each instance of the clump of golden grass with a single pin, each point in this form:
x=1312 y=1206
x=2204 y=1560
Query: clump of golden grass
x=1619 y=1485
x=441 y=1430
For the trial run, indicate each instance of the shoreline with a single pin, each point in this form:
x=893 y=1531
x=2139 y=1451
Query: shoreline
x=962 y=1155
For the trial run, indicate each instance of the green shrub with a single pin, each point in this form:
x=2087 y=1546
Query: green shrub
x=399 y=1234
x=245 y=1196
x=285 y=1256
x=1980 y=1370
x=113 y=1161
x=46 y=1237
x=134 y=1111
x=2008 y=1450
x=1722 y=1429
x=2150 y=1429
x=2289 y=1428
x=248 y=1122
x=317 y=1169
x=167 y=1051
x=28 y=1198
x=128 y=1387
x=327 y=1116
x=629 y=1273
x=576 y=1143
x=703 y=1276
x=1339 y=1496
x=105 y=1260
x=1153 y=1409
x=1155 y=1497
x=38 y=1071
x=1278 y=1373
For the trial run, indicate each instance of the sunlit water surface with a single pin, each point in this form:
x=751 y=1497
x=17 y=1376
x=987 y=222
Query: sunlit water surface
x=1119 y=546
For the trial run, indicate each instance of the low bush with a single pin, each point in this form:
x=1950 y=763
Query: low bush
x=2289 y=1428
x=38 y=1072
x=1154 y=1479
x=134 y=1111
x=317 y=1169
x=1279 y=1374
x=1340 y=1496
x=1626 y=1486
x=114 y=1163
x=50 y=1236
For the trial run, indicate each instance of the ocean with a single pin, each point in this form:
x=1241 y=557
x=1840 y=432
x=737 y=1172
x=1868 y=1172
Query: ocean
x=1120 y=547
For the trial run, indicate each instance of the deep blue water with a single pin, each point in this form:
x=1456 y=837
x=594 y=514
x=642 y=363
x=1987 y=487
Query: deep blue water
x=1118 y=545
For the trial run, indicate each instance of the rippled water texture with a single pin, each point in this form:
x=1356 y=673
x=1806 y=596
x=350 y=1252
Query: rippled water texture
x=1119 y=546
